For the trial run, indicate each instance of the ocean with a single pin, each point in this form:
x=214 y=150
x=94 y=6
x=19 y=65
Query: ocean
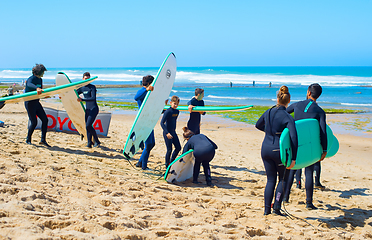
x=343 y=87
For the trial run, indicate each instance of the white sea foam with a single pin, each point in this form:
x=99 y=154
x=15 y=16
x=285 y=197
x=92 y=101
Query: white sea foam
x=336 y=80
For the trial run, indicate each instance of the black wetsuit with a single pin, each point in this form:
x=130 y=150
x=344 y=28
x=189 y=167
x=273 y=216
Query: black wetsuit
x=273 y=122
x=194 y=122
x=168 y=123
x=150 y=141
x=34 y=109
x=304 y=110
x=91 y=111
x=204 y=150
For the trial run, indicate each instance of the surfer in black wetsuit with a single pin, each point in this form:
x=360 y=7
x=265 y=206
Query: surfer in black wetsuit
x=204 y=151
x=91 y=110
x=150 y=141
x=33 y=107
x=194 y=122
x=303 y=110
x=168 y=123
x=273 y=122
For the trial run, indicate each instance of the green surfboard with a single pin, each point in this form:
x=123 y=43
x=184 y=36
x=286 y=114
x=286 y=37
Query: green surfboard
x=47 y=92
x=309 y=148
x=212 y=108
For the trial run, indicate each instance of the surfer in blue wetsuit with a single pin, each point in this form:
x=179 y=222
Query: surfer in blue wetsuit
x=150 y=141
x=33 y=107
x=91 y=110
x=273 y=122
x=303 y=110
x=204 y=151
x=168 y=123
x=194 y=122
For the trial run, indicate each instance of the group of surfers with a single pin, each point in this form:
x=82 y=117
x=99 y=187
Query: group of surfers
x=272 y=122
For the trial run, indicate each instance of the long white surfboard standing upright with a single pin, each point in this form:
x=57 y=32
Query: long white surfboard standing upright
x=152 y=107
x=74 y=109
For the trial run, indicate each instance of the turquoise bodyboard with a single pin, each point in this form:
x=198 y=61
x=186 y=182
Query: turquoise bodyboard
x=309 y=147
x=212 y=108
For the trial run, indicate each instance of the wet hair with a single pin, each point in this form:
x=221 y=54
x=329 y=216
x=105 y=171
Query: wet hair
x=38 y=70
x=198 y=91
x=86 y=74
x=147 y=80
x=175 y=99
x=187 y=133
x=315 y=89
x=283 y=95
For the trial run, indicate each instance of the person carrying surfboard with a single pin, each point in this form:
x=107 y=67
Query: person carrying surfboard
x=91 y=110
x=204 y=151
x=303 y=110
x=195 y=117
x=33 y=107
x=150 y=141
x=168 y=123
x=273 y=122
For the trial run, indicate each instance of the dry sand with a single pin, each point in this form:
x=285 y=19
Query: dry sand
x=71 y=192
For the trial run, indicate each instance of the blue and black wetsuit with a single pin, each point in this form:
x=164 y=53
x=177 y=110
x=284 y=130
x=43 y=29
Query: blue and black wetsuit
x=304 y=110
x=91 y=111
x=168 y=123
x=204 y=151
x=150 y=141
x=34 y=109
x=194 y=122
x=273 y=122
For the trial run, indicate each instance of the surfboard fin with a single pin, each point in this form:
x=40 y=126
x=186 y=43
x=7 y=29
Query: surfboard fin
x=2 y=104
x=133 y=136
x=133 y=150
x=181 y=160
x=142 y=145
x=173 y=172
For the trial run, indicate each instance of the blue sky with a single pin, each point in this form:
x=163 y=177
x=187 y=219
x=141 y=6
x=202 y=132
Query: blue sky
x=201 y=33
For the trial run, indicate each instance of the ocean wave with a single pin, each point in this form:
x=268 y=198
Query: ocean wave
x=335 y=80
x=357 y=104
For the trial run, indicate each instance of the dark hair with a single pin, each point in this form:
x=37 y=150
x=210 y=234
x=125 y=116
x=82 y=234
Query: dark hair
x=198 y=91
x=86 y=74
x=38 y=69
x=283 y=95
x=187 y=133
x=175 y=99
x=315 y=89
x=147 y=80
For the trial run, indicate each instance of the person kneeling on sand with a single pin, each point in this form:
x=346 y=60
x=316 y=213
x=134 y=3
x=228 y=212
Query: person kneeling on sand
x=204 y=151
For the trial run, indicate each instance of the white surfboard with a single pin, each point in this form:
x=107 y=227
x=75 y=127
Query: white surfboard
x=181 y=169
x=152 y=107
x=74 y=109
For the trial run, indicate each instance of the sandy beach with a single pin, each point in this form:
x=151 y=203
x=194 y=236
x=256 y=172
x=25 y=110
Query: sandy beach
x=69 y=191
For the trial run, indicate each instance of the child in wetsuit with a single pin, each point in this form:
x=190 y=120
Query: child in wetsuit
x=194 y=122
x=273 y=122
x=168 y=123
x=204 y=151
x=91 y=110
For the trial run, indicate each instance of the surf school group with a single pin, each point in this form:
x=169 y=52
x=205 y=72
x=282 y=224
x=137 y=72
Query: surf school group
x=273 y=122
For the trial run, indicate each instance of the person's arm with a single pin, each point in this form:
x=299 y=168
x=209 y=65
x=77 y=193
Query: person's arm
x=92 y=96
x=163 y=120
x=293 y=136
x=323 y=134
x=260 y=124
x=187 y=146
x=140 y=94
x=31 y=85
